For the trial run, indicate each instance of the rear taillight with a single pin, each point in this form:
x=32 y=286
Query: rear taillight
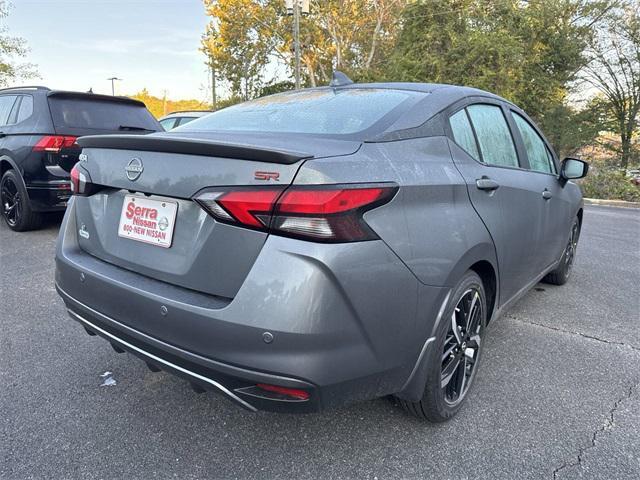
x=81 y=182
x=328 y=213
x=54 y=143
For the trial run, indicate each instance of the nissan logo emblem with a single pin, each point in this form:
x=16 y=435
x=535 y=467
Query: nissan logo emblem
x=134 y=169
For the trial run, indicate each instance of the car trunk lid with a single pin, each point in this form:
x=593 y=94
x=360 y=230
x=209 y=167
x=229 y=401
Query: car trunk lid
x=203 y=255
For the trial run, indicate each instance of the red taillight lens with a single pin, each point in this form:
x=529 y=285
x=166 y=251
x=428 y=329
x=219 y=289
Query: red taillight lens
x=81 y=182
x=78 y=181
x=289 y=392
x=326 y=202
x=328 y=213
x=249 y=207
x=54 y=143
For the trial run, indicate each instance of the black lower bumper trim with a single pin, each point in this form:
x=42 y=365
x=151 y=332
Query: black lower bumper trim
x=150 y=357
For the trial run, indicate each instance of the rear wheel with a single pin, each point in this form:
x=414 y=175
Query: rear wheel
x=15 y=207
x=455 y=358
x=561 y=274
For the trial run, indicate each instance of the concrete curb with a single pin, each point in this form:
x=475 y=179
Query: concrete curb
x=611 y=203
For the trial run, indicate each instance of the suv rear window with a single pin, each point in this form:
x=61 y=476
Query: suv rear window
x=326 y=111
x=99 y=114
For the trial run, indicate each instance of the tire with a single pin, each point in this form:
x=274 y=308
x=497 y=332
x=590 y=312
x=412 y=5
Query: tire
x=560 y=275
x=14 y=204
x=439 y=403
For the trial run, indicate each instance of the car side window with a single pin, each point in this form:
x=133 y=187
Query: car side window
x=26 y=108
x=168 y=123
x=537 y=152
x=494 y=137
x=6 y=104
x=463 y=133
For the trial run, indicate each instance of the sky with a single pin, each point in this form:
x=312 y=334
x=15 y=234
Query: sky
x=78 y=44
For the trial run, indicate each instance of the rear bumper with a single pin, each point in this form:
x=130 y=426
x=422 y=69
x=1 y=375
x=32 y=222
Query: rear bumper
x=234 y=383
x=348 y=321
x=51 y=196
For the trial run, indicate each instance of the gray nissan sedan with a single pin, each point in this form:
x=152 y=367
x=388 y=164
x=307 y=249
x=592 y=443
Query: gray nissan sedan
x=323 y=246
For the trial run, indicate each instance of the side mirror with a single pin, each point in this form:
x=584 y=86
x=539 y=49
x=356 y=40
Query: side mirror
x=573 y=168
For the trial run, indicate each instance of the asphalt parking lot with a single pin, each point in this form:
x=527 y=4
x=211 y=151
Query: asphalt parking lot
x=558 y=394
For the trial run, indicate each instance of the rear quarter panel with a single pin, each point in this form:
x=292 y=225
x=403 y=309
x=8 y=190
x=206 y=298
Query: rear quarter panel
x=430 y=224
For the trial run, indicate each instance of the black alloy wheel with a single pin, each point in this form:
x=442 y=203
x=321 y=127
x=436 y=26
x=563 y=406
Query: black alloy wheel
x=11 y=201
x=461 y=347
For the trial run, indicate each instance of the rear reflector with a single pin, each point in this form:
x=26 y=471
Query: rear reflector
x=288 y=392
x=54 y=143
x=328 y=214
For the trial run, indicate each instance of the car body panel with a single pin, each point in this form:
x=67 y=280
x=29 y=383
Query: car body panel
x=433 y=198
x=347 y=321
x=353 y=327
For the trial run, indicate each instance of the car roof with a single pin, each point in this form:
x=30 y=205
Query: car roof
x=438 y=97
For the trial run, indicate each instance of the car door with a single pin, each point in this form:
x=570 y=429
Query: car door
x=500 y=190
x=557 y=213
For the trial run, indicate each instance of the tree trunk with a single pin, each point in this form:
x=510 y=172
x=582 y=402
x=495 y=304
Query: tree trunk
x=310 y=71
x=625 y=150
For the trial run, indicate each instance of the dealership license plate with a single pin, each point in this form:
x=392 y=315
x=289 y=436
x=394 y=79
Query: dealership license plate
x=146 y=220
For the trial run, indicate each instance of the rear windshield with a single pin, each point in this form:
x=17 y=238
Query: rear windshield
x=326 y=111
x=100 y=115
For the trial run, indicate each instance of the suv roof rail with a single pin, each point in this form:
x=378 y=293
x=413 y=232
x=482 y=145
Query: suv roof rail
x=26 y=87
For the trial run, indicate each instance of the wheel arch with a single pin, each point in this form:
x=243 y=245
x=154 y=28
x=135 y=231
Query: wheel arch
x=482 y=260
x=6 y=164
x=487 y=274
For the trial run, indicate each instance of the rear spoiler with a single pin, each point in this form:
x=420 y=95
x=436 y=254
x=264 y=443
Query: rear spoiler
x=191 y=146
x=95 y=96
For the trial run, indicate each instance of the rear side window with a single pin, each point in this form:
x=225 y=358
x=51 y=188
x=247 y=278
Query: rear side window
x=99 y=115
x=463 y=133
x=494 y=136
x=537 y=152
x=26 y=108
x=6 y=104
x=168 y=123
x=315 y=111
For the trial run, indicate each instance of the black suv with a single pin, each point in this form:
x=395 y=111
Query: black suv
x=38 y=131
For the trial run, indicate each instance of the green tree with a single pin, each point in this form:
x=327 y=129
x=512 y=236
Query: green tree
x=160 y=106
x=527 y=52
x=12 y=48
x=240 y=40
x=614 y=69
x=570 y=129
x=245 y=37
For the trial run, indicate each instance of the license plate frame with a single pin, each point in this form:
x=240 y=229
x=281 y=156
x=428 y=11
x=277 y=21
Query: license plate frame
x=148 y=220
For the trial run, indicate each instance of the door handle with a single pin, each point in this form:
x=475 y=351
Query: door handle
x=2 y=134
x=546 y=195
x=485 y=183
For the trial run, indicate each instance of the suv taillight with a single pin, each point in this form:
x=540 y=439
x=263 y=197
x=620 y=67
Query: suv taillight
x=54 y=143
x=328 y=213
